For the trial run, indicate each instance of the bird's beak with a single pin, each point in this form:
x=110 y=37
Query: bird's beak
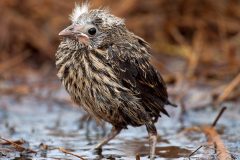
x=67 y=32
x=74 y=31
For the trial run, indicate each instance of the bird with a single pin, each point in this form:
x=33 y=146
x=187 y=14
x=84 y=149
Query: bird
x=106 y=70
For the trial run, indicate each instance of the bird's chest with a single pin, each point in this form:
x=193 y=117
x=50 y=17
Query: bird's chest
x=78 y=84
x=86 y=89
x=88 y=79
x=92 y=83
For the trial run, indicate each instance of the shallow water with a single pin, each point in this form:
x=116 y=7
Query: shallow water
x=42 y=124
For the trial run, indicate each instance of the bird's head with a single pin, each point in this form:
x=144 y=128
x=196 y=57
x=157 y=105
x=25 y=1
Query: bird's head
x=93 y=28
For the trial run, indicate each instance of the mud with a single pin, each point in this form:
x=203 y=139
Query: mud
x=44 y=127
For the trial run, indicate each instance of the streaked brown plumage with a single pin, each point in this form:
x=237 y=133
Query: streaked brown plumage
x=105 y=69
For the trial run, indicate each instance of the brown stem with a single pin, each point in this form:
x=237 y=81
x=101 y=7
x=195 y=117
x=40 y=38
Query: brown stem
x=194 y=151
x=218 y=116
x=17 y=146
x=213 y=137
x=67 y=152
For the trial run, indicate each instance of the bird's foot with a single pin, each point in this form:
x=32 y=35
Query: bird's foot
x=115 y=131
x=153 y=142
x=152 y=132
x=97 y=151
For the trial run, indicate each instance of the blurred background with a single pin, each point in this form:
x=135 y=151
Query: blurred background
x=197 y=40
x=195 y=45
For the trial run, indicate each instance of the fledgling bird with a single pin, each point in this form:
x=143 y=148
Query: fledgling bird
x=105 y=68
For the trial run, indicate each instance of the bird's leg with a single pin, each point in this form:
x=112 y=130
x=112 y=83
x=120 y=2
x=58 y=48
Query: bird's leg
x=152 y=132
x=115 y=131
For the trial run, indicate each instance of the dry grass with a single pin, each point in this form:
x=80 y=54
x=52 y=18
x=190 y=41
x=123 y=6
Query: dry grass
x=204 y=35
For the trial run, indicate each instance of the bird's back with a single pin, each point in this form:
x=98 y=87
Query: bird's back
x=131 y=63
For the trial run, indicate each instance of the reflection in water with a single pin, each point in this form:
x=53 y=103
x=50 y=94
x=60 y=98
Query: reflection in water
x=172 y=152
x=140 y=147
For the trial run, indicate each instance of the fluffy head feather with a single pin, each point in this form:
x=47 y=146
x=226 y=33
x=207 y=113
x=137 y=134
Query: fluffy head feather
x=79 y=10
x=102 y=13
x=109 y=28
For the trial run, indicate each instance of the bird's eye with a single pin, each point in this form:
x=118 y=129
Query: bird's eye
x=92 y=31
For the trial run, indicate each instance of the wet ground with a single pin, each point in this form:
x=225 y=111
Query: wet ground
x=44 y=127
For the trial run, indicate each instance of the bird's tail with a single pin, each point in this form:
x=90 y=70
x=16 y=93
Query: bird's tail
x=170 y=103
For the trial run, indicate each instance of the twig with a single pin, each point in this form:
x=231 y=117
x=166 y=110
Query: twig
x=229 y=88
x=18 y=147
x=67 y=152
x=218 y=116
x=19 y=142
x=137 y=156
x=178 y=36
x=213 y=137
x=194 y=151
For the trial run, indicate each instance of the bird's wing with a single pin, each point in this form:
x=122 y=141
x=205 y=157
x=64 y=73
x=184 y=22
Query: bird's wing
x=131 y=63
